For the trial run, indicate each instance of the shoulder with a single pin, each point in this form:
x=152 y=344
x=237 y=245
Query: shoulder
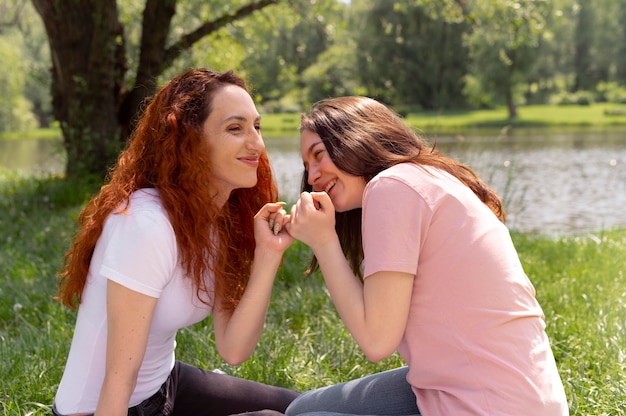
x=143 y=217
x=396 y=188
x=403 y=177
x=144 y=206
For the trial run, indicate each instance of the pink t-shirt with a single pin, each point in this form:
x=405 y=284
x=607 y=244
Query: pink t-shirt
x=475 y=340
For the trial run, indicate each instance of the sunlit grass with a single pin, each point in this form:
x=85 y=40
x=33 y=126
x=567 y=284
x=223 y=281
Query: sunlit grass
x=580 y=283
x=598 y=115
x=535 y=116
x=42 y=133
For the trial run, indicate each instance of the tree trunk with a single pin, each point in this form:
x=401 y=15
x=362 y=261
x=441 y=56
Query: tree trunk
x=87 y=70
x=156 y=55
x=157 y=17
x=583 y=41
x=89 y=65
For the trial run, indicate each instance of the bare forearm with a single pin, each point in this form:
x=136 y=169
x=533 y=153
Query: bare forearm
x=376 y=312
x=242 y=330
x=344 y=288
x=115 y=396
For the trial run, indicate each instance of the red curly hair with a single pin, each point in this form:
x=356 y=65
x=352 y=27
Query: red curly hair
x=168 y=152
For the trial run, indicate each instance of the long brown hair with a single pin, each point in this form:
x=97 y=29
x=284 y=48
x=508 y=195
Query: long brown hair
x=168 y=152
x=364 y=137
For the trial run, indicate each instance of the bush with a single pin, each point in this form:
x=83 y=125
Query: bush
x=573 y=98
x=611 y=92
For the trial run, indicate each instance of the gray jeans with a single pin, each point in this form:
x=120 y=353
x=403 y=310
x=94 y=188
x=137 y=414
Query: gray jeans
x=386 y=393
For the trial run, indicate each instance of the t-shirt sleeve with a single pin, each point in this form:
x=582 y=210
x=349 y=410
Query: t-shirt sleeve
x=140 y=251
x=395 y=222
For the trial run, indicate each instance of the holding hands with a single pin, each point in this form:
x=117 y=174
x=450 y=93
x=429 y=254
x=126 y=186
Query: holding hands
x=275 y=235
x=312 y=220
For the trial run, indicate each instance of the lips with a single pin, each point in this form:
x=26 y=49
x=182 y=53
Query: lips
x=250 y=160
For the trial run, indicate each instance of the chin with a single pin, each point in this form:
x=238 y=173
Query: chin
x=339 y=207
x=344 y=208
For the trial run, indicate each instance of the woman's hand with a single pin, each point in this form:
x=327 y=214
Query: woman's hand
x=313 y=220
x=269 y=227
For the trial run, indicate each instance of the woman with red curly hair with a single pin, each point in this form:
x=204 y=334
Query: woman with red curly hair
x=179 y=231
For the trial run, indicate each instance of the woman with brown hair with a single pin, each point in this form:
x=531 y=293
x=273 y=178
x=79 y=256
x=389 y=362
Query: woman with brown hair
x=417 y=259
x=179 y=231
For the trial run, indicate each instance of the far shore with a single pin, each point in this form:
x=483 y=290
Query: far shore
x=598 y=116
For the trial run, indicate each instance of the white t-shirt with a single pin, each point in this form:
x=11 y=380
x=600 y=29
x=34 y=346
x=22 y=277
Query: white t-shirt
x=475 y=340
x=137 y=249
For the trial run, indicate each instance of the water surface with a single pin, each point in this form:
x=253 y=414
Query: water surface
x=556 y=184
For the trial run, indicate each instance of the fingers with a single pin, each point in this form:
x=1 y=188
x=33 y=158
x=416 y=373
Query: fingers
x=274 y=214
x=321 y=201
x=312 y=219
x=277 y=218
x=318 y=201
x=277 y=221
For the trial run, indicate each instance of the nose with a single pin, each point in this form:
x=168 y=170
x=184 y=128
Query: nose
x=313 y=174
x=255 y=142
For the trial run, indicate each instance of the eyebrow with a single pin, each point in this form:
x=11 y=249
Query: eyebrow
x=239 y=118
x=312 y=146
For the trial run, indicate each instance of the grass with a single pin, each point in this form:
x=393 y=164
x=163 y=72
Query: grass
x=601 y=115
x=598 y=115
x=580 y=283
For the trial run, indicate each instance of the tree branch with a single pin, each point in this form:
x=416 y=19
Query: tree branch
x=11 y=17
x=188 y=40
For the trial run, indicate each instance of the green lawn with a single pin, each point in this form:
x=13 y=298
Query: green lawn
x=580 y=283
x=442 y=122
x=600 y=115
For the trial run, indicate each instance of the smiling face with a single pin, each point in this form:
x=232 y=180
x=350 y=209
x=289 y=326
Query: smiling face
x=345 y=190
x=233 y=131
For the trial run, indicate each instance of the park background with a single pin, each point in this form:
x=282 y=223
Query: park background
x=77 y=73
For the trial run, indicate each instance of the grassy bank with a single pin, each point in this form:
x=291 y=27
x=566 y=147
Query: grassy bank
x=580 y=283
x=594 y=116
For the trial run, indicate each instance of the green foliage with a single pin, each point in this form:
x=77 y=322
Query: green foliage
x=579 y=280
x=504 y=45
x=280 y=42
x=398 y=47
x=476 y=95
x=15 y=110
x=611 y=92
x=417 y=54
x=573 y=98
x=331 y=75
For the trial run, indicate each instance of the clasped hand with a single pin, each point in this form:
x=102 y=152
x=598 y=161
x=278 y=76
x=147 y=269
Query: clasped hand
x=311 y=220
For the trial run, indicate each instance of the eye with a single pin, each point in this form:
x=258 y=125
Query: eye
x=257 y=126
x=318 y=154
x=234 y=128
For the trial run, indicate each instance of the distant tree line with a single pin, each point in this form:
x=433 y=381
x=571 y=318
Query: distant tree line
x=91 y=65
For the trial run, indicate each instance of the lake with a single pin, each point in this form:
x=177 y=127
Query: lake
x=551 y=184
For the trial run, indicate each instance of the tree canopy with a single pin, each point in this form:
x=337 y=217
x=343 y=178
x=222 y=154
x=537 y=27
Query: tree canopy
x=412 y=54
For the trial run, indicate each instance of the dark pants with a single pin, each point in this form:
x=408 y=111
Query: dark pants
x=193 y=391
